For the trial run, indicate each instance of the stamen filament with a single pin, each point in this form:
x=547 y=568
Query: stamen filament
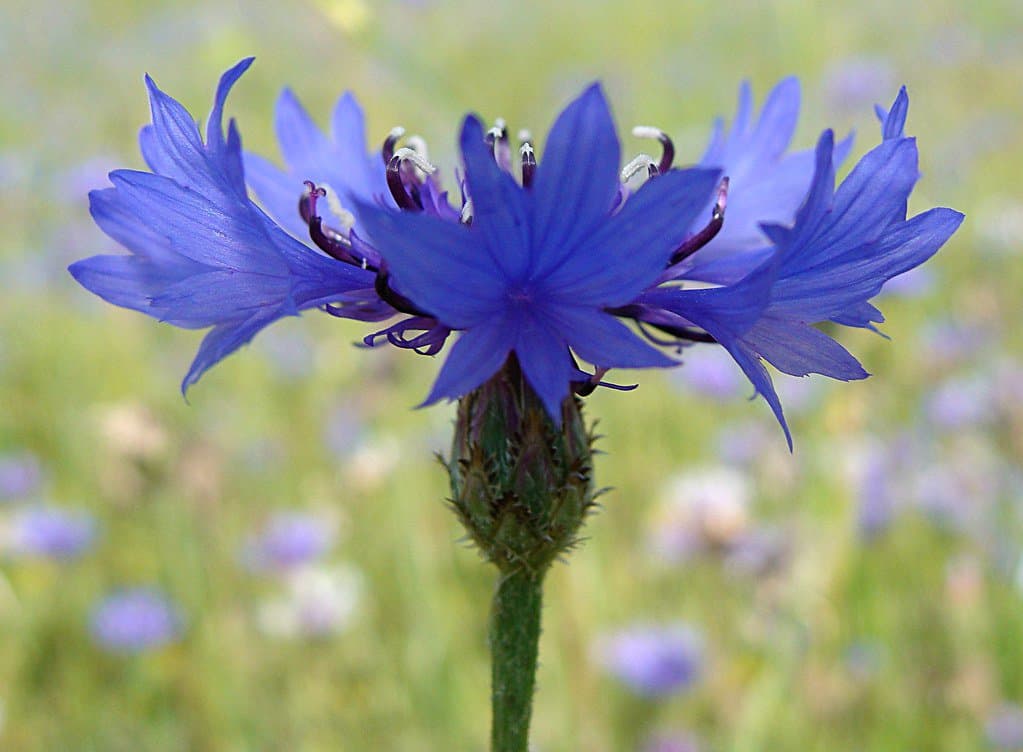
x=396 y=300
x=704 y=236
x=667 y=145
x=638 y=164
x=528 y=159
x=387 y=150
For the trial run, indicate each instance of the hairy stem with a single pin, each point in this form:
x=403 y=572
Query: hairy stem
x=514 y=644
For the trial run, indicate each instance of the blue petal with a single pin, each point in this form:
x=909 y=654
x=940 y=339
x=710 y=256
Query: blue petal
x=766 y=185
x=278 y=192
x=210 y=298
x=363 y=173
x=798 y=349
x=726 y=313
x=175 y=137
x=577 y=176
x=499 y=205
x=893 y=122
x=203 y=254
x=212 y=234
x=836 y=290
x=603 y=340
x=761 y=380
x=342 y=163
x=628 y=252
x=128 y=281
x=474 y=358
x=728 y=269
x=301 y=141
x=546 y=364
x=221 y=341
x=214 y=125
x=440 y=265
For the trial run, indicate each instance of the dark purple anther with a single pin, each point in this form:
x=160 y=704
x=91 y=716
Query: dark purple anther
x=528 y=157
x=497 y=139
x=332 y=243
x=396 y=300
x=402 y=197
x=667 y=146
x=704 y=236
x=327 y=239
x=387 y=150
x=307 y=204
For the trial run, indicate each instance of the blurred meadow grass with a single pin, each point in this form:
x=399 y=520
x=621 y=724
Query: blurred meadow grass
x=902 y=634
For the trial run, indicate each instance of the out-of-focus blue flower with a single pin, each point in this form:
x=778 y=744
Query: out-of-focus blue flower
x=288 y=540
x=135 y=620
x=1004 y=727
x=654 y=661
x=914 y=283
x=21 y=474
x=712 y=372
x=880 y=483
x=52 y=532
x=946 y=343
x=758 y=552
x=856 y=82
x=290 y=352
x=876 y=500
x=343 y=430
x=676 y=742
x=203 y=255
x=742 y=443
x=960 y=403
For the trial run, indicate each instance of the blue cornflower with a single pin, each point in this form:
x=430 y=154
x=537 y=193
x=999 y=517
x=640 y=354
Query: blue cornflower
x=766 y=182
x=52 y=532
x=21 y=475
x=654 y=661
x=288 y=540
x=844 y=245
x=341 y=161
x=135 y=620
x=203 y=255
x=542 y=263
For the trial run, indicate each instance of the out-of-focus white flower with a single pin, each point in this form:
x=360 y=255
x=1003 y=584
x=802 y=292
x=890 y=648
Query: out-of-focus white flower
x=702 y=508
x=318 y=601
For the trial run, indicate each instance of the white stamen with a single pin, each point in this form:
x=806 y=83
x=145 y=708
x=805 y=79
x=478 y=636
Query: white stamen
x=466 y=214
x=642 y=163
x=418 y=145
x=396 y=133
x=525 y=135
x=345 y=218
x=647 y=131
x=415 y=158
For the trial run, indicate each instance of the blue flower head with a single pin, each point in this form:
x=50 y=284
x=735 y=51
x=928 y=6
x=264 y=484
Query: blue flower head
x=202 y=254
x=539 y=266
x=549 y=262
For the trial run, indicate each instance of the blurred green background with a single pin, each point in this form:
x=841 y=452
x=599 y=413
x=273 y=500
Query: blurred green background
x=862 y=593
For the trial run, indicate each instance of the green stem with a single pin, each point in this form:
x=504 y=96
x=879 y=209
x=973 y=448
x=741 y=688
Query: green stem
x=514 y=644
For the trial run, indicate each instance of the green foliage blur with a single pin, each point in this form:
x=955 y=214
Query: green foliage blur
x=903 y=638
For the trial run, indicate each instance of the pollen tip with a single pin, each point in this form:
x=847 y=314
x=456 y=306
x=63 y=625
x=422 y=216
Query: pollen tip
x=647 y=131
